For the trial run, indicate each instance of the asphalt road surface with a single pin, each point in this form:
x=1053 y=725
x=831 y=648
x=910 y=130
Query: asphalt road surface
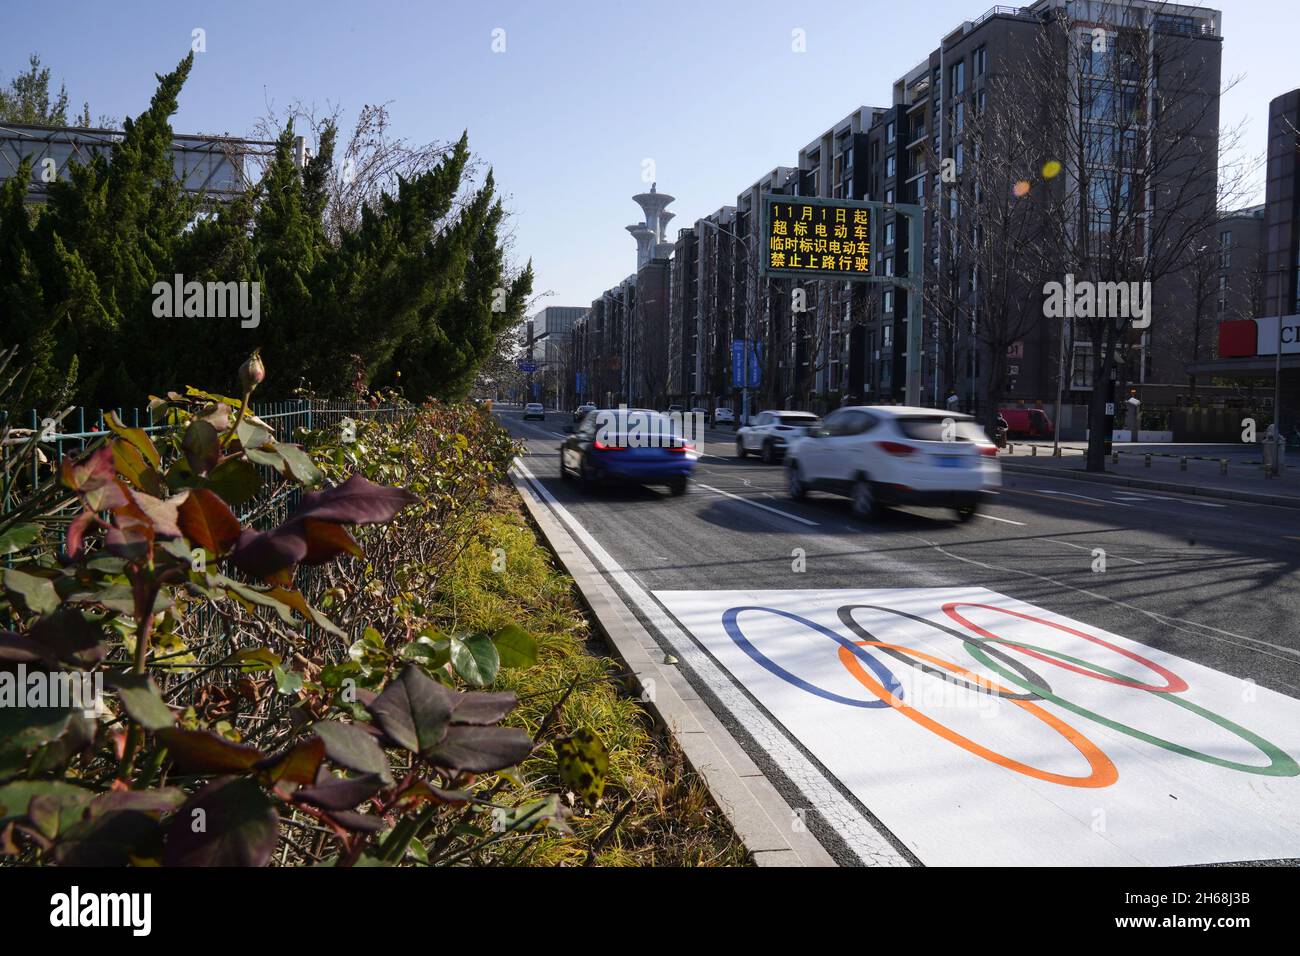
x=1082 y=674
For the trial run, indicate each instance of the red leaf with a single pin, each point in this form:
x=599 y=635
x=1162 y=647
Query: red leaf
x=77 y=533
x=356 y=501
x=93 y=471
x=326 y=540
x=207 y=521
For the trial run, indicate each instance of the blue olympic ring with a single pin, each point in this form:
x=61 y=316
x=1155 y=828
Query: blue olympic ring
x=883 y=673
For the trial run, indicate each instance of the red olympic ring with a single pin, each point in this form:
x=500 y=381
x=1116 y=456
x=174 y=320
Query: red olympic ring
x=1173 y=683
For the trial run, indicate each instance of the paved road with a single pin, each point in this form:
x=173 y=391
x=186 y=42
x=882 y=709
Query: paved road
x=1204 y=594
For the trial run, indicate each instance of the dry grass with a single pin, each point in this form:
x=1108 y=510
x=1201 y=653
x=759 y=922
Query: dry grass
x=673 y=820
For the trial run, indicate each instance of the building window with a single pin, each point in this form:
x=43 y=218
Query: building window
x=981 y=61
x=1225 y=250
x=887 y=304
x=889 y=196
x=890 y=131
x=958 y=118
x=891 y=165
x=958 y=73
x=888 y=264
x=889 y=233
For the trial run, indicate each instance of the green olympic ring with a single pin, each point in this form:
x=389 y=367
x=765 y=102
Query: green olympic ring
x=1281 y=764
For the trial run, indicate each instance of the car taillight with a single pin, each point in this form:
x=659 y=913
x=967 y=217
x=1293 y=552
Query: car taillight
x=601 y=446
x=895 y=448
x=681 y=448
x=989 y=451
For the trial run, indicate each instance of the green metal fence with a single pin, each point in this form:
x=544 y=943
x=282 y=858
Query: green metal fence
x=206 y=633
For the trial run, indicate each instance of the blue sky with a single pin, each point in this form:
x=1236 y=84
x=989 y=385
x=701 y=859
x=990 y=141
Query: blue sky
x=710 y=90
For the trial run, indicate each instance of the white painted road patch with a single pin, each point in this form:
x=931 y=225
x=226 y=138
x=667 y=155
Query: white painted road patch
x=982 y=730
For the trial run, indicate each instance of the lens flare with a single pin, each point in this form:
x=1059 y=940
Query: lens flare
x=1051 y=169
x=1020 y=189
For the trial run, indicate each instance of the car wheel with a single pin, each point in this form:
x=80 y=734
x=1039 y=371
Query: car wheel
x=679 y=487
x=769 y=453
x=965 y=512
x=740 y=448
x=864 y=502
x=564 y=469
x=794 y=485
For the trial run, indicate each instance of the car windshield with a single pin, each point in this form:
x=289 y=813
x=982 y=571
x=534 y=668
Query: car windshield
x=931 y=428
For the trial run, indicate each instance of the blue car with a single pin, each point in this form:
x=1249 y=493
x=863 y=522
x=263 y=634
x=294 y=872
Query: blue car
x=633 y=446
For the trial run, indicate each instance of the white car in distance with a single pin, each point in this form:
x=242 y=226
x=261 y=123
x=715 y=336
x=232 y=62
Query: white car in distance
x=885 y=455
x=771 y=431
x=723 y=416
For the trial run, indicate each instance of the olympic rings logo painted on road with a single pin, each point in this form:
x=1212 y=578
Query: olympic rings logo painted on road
x=887 y=692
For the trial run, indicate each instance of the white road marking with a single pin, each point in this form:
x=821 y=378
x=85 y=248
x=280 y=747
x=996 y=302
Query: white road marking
x=1071 y=494
x=1081 y=547
x=859 y=835
x=1003 y=520
x=775 y=511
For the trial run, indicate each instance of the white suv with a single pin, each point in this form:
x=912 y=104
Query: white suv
x=770 y=432
x=724 y=416
x=883 y=455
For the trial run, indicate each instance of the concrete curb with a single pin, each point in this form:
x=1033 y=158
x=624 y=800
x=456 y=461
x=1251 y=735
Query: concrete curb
x=1280 y=501
x=757 y=812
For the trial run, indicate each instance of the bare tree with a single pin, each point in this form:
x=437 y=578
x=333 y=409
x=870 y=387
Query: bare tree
x=1131 y=101
x=367 y=163
x=993 y=207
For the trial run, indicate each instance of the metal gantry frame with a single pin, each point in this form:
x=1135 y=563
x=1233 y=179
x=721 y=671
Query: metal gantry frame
x=912 y=283
x=206 y=165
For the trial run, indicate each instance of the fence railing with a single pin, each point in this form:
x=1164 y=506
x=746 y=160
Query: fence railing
x=205 y=632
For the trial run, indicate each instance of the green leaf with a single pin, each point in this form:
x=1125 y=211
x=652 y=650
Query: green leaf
x=431 y=652
x=583 y=763
x=350 y=746
x=37 y=593
x=515 y=646
x=300 y=464
x=142 y=700
x=253 y=659
x=23 y=729
x=253 y=435
x=475 y=659
x=18 y=537
x=58 y=804
x=268 y=459
x=287 y=682
x=138 y=437
x=235 y=480
x=545 y=812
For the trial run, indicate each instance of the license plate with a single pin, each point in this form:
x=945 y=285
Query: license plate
x=949 y=461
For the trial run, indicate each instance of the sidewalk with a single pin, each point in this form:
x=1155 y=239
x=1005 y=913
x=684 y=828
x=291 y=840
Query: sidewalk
x=1189 y=469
